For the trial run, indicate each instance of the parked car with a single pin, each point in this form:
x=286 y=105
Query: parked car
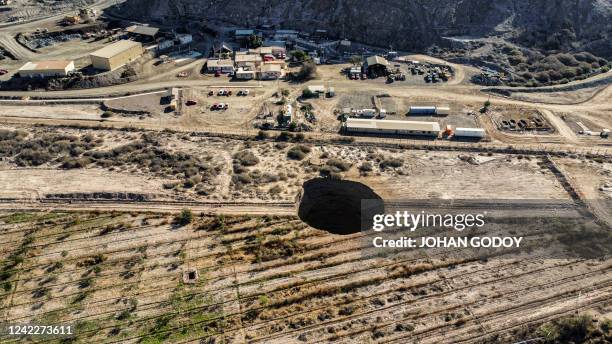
x=215 y=106
x=211 y=93
x=222 y=93
x=191 y=102
x=3 y=71
x=228 y=93
x=183 y=74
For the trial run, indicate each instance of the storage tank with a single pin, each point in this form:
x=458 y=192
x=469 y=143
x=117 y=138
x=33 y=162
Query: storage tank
x=442 y=111
x=470 y=132
x=422 y=110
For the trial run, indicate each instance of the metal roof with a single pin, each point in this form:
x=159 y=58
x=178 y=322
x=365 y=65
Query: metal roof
x=244 y=32
x=392 y=125
x=115 y=48
x=374 y=60
x=143 y=30
x=286 y=32
x=316 y=88
x=248 y=58
x=271 y=68
x=46 y=65
x=220 y=63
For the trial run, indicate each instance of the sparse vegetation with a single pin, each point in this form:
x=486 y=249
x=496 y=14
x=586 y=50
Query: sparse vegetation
x=298 y=152
x=184 y=218
x=246 y=158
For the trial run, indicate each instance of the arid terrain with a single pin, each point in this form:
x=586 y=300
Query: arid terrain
x=162 y=201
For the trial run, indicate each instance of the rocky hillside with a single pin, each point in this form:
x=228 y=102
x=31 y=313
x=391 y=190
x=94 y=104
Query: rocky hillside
x=414 y=24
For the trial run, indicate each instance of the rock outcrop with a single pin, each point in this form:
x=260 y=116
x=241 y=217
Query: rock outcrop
x=409 y=25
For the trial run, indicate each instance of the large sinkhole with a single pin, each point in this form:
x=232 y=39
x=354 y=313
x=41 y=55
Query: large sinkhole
x=335 y=205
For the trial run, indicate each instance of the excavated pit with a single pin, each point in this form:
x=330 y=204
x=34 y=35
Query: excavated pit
x=335 y=205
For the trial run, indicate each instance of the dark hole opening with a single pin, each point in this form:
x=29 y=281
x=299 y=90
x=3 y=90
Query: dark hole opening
x=335 y=205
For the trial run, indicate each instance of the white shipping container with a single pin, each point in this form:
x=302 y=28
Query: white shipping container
x=442 y=111
x=470 y=132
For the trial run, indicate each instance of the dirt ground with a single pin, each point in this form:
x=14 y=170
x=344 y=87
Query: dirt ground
x=119 y=278
x=34 y=183
x=417 y=175
x=446 y=176
x=594 y=182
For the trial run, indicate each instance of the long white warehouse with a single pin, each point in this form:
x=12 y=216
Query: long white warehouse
x=361 y=125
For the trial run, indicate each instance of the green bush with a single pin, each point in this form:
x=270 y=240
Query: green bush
x=307 y=72
x=306 y=93
x=298 y=152
x=246 y=158
x=184 y=218
x=365 y=167
x=391 y=163
x=262 y=135
x=338 y=165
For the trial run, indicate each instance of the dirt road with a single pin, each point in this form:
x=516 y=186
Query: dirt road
x=229 y=208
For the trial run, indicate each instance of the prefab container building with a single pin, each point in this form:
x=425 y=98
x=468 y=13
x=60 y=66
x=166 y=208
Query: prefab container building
x=116 y=55
x=223 y=66
x=270 y=72
x=242 y=74
x=375 y=126
x=364 y=113
x=470 y=132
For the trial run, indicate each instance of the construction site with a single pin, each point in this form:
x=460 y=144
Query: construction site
x=205 y=183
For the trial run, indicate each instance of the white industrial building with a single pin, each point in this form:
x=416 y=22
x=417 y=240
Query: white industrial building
x=243 y=74
x=270 y=72
x=246 y=60
x=116 y=55
x=375 y=126
x=46 y=69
